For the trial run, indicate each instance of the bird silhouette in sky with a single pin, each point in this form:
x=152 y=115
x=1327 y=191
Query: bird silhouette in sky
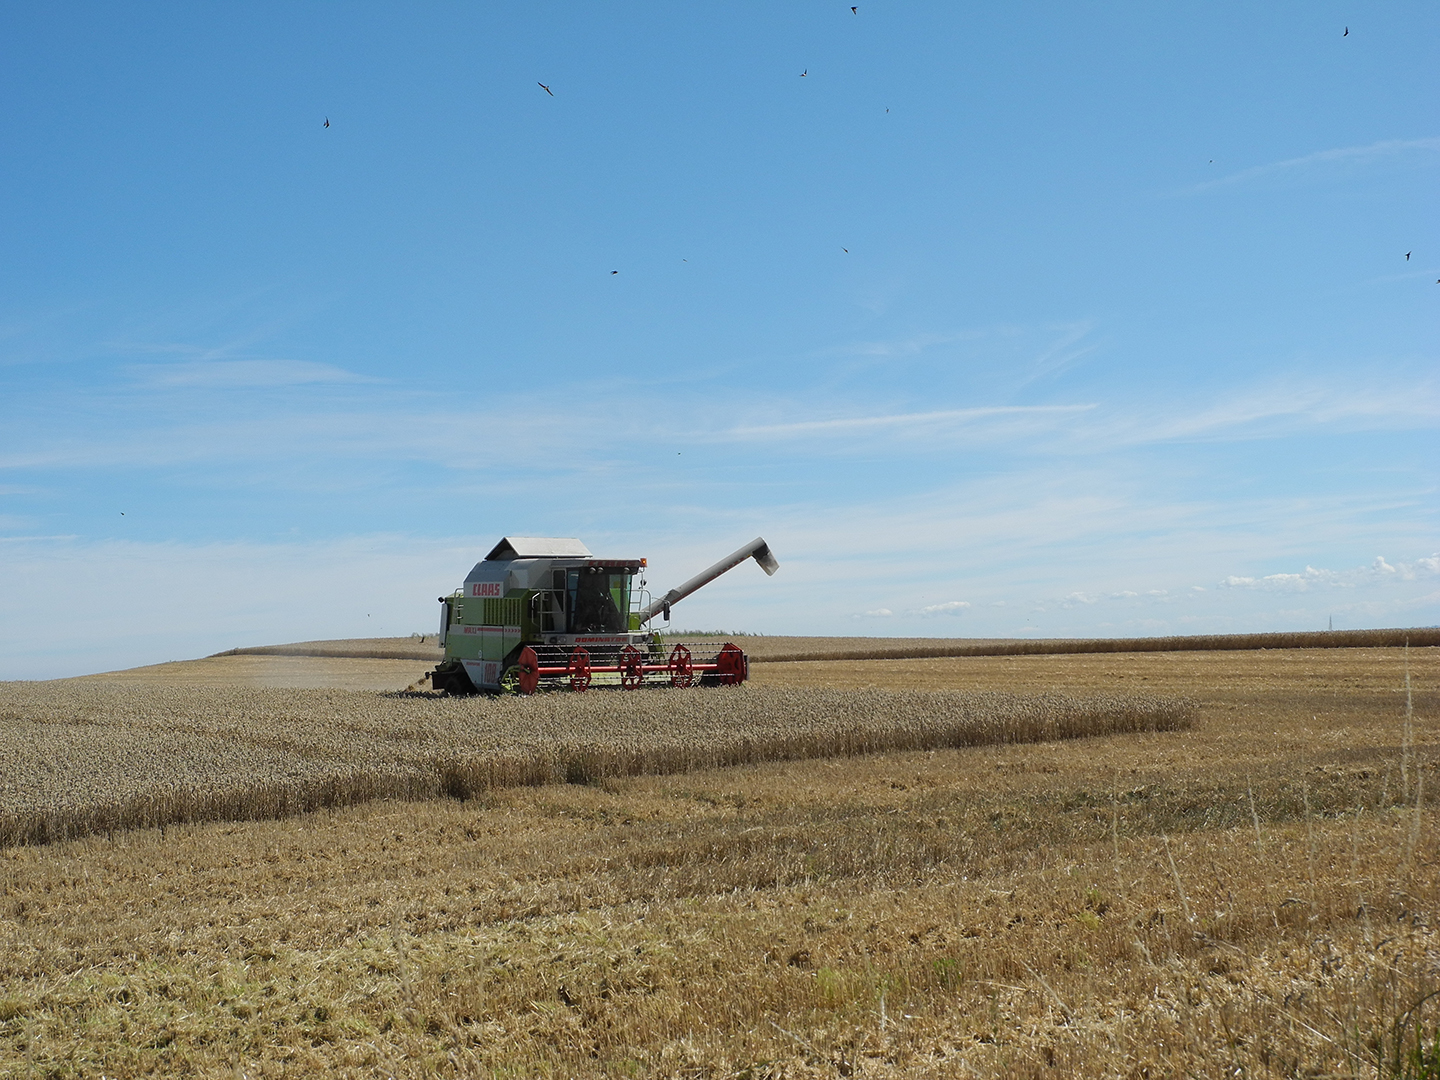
x=1407 y=256
x=1347 y=32
x=327 y=121
x=804 y=73
x=845 y=250
x=854 y=11
x=542 y=86
x=614 y=272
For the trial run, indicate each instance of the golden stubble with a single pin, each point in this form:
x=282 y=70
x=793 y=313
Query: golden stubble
x=1106 y=906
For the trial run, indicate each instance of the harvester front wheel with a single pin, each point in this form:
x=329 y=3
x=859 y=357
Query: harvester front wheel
x=449 y=677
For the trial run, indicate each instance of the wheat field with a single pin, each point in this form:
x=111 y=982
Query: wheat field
x=80 y=757
x=1249 y=894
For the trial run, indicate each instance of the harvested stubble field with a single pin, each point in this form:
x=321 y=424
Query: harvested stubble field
x=1252 y=895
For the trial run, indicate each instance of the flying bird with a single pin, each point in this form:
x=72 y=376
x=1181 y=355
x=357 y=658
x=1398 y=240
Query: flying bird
x=804 y=73
x=845 y=250
x=542 y=86
x=614 y=272
x=854 y=11
x=1407 y=256
x=1347 y=32
x=327 y=121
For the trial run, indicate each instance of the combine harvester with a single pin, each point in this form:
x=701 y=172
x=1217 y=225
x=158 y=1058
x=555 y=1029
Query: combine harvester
x=543 y=610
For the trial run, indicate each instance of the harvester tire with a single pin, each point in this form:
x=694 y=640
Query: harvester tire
x=451 y=678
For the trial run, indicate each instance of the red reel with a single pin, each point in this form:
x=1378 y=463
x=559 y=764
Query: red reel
x=632 y=671
x=529 y=665
x=682 y=668
x=579 y=669
x=731 y=666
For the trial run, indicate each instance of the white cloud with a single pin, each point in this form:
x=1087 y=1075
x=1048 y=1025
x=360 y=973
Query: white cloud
x=1376 y=573
x=953 y=607
x=878 y=613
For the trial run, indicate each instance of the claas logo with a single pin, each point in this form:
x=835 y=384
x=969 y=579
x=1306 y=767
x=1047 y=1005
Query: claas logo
x=485 y=588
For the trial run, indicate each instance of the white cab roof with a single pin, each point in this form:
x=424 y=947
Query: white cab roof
x=539 y=547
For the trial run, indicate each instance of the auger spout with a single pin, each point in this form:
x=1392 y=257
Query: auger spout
x=756 y=549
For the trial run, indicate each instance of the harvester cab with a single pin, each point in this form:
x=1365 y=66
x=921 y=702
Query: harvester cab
x=543 y=610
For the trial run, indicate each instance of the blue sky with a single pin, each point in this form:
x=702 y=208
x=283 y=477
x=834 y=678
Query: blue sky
x=994 y=320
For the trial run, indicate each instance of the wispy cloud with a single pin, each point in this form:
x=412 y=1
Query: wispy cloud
x=315 y=435
x=849 y=424
x=237 y=374
x=1284 y=408
x=1337 y=156
x=1062 y=352
x=906 y=346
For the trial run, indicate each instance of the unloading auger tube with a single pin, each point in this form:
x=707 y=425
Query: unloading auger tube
x=541 y=610
x=756 y=549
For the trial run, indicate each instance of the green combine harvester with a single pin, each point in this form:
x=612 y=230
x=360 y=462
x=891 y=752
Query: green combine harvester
x=543 y=611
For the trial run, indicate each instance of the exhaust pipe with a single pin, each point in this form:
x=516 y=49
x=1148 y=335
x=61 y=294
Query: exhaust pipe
x=756 y=549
